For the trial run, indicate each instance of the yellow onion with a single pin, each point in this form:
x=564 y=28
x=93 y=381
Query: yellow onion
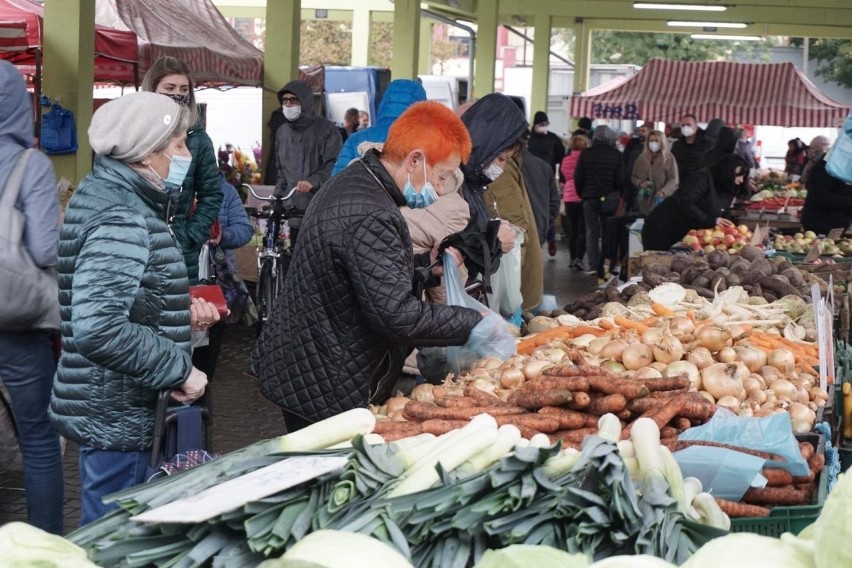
x=802 y=417
x=680 y=325
x=484 y=385
x=652 y=335
x=707 y=395
x=769 y=374
x=637 y=356
x=725 y=379
x=782 y=359
x=700 y=357
x=511 y=378
x=684 y=368
x=648 y=373
x=395 y=404
x=583 y=341
x=613 y=350
x=423 y=393
x=726 y=355
x=614 y=366
x=730 y=402
x=596 y=345
x=713 y=337
x=489 y=362
x=752 y=358
x=668 y=349
x=534 y=368
x=784 y=389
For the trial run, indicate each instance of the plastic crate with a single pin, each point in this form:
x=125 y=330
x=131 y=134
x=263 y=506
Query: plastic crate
x=789 y=519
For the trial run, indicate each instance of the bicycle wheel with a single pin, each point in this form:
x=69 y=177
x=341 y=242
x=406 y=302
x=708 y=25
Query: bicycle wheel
x=265 y=295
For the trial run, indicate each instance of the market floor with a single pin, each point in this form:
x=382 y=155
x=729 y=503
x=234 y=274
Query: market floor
x=241 y=415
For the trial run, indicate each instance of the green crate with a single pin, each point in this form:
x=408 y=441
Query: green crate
x=789 y=519
x=845 y=450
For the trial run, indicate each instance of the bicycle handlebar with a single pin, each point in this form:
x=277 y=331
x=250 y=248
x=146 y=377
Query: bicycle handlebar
x=271 y=197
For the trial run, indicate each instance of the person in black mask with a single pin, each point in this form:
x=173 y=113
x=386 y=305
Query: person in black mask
x=699 y=203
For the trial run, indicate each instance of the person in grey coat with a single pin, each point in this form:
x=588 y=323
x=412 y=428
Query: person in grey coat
x=27 y=358
x=543 y=193
x=307 y=146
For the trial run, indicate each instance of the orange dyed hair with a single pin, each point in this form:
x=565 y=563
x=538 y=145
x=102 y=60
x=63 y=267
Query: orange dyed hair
x=431 y=127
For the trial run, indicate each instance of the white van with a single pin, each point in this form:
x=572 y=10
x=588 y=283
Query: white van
x=443 y=89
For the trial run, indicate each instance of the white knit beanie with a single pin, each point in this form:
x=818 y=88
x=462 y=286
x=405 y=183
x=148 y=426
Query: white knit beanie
x=129 y=128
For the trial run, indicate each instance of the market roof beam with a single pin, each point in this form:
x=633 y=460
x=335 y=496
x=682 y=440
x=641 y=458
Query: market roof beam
x=652 y=26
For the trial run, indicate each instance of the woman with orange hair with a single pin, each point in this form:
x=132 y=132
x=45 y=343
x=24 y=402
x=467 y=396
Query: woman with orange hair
x=347 y=317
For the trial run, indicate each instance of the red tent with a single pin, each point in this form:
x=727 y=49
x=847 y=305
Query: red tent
x=771 y=94
x=115 y=50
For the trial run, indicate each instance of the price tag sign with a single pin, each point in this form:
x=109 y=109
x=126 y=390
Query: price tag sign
x=235 y=493
x=824 y=334
x=835 y=234
x=814 y=253
x=760 y=234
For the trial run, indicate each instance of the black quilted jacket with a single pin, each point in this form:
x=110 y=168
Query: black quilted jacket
x=347 y=318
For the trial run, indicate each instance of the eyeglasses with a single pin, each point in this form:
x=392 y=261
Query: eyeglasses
x=289 y=100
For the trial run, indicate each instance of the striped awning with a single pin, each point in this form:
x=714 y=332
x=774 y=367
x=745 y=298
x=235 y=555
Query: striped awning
x=13 y=37
x=770 y=94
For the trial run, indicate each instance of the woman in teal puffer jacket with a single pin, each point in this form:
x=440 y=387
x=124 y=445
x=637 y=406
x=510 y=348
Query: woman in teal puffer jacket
x=124 y=296
x=201 y=196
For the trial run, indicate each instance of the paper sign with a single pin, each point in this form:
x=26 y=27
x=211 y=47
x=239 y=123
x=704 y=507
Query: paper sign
x=835 y=234
x=760 y=234
x=824 y=334
x=235 y=493
x=814 y=253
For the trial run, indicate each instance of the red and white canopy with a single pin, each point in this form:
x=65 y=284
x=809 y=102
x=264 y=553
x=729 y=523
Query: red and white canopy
x=13 y=37
x=771 y=94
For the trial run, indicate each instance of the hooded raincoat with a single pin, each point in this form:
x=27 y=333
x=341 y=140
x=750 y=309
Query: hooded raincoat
x=307 y=147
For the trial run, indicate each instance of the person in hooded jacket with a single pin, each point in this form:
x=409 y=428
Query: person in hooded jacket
x=544 y=144
x=126 y=314
x=201 y=195
x=550 y=149
x=27 y=359
x=700 y=202
x=307 y=146
x=400 y=94
x=726 y=143
x=690 y=145
x=347 y=316
x=828 y=204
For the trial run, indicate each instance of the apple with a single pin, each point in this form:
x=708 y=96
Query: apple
x=708 y=249
x=692 y=233
x=707 y=238
x=742 y=229
x=738 y=245
x=798 y=236
x=717 y=234
x=730 y=239
x=696 y=246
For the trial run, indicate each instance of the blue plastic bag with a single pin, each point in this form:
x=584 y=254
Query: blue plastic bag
x=489 y=338
x=838 y=161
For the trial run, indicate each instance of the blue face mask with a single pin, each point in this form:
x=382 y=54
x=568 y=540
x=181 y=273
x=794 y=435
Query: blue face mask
x=177 y=170
x=424 y=198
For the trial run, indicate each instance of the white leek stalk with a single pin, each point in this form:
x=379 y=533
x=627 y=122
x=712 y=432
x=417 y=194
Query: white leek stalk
x=561 y=463
x=709 y=511
x=507 y=436
x=609 y=427
x=692 y=487
x=328 y=432
x=540 y=441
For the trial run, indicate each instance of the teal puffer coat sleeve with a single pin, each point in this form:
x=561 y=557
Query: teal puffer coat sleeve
x=201 y=184
x=101 y=322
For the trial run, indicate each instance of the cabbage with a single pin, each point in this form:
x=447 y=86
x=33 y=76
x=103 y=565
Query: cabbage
x=25 y=546
x=612 y=309
x=793 y=306
x=531 y=556
x=832 y=530
x=637 y=561
x=339 y=549
x=756 y=551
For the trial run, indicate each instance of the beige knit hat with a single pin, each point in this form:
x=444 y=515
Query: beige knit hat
x=129 y=128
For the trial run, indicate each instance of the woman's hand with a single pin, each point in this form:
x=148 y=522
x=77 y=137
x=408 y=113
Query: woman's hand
x=722 y=222
x=507 y=236
x=454 y=252
x=192 y=388
x=202 y=314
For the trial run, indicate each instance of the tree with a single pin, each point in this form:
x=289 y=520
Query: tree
x=833 y=57
x=325 y=42
x=443 y=49
x=381 y=44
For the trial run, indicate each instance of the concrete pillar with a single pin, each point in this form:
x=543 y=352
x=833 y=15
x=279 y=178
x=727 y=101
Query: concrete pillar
x=281 y=55
x=406 y=39
x=541 y=65
x=424 y=57
x=68 y=75
x=361 y=18
x=486 y=47
x=582 y=55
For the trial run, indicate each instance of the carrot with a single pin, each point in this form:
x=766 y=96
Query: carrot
x=439 y=427
x=697 y=408
x=568 y=419
x=668 y=432
x=406 y=428
x=662 y=310
x=547 y=382
x=535 y=400
x=610 y=403
x=455 y=401
x=666 y=394
x=777 y=477
x=816 y=463
x=666 y=383
x=589 y=420
x=415 y=410
x=774 y=496
x=627 y=323
x=581 y=401
x=739 y=510
x=806 y=449
x=624 y=415
x=668 y=412
x=630 y=388
x=651 y=321
x=586 y=330
x=536 y=422
x=575 y=436
x=536 y=340
x=481 y=397
x=680 y=423
x=606 y=324
x=641 y=405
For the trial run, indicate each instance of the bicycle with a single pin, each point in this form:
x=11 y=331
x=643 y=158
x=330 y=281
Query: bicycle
x=275 y=253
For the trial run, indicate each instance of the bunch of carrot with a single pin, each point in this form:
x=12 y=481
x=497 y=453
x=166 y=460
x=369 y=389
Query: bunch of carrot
x=565 y=403
x=782 y=489
x=527 y=345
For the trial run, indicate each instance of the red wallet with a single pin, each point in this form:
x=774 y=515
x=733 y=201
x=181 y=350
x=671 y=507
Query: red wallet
x=213 y=294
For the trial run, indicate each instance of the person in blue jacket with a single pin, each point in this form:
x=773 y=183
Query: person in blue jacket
x=27 y=360
x=400 y=94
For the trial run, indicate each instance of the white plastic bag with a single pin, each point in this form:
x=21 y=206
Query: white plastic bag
x=204 y=263
x=506 y=281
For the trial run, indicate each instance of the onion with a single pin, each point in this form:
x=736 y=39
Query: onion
x=684 y=368
x=745 y=411
x=713 y=337
x=597 y=344
x=680 y=325
x=737 y=330
x=423 y=393
x=802 y=417
x=818 y=394
x=489 y=363
x=769 y=374
x=636 y=356
x=652 y=335
x=503 y=394
x=725 y=379
x=708 y=396
x=613 y=350
x=752 y=358
x=700 y=357
x=614 y=366
x=803 y=396
x=730 y=402
x=395 y=404
x=511 y=378
x=757 y=396
x=648 y=373
x=555 y=356
x=668 y=349
x=782 y=359
x=534 y=368
x=750 y=384
x=484 y=385
x=658 y=366
x=583 y=341
x=726 y=355
x=784 y=389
